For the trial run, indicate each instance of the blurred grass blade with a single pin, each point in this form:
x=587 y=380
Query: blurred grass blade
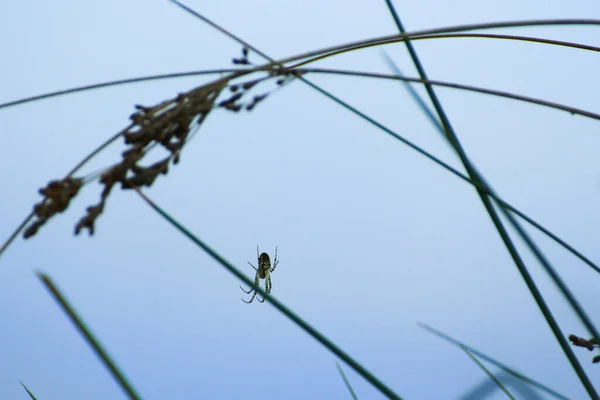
x=89 y=337
x=477 y=178
x=498 y=364
x=273 y=301
x=28 y=391
x=346 y=381
x=492 y=377
x=413 y=93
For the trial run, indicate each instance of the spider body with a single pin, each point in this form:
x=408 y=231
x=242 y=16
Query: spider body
x=263 y=271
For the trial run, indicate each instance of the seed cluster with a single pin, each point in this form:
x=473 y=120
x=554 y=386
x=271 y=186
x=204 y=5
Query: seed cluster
x=169 y=125
x=589 y=344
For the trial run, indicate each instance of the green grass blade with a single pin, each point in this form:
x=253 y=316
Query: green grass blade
x=113 y=83
x=273 y=301
x=413 y=93
x=498 y=364
x=492 y=377
x=89 y=337
x=28 y=391
x=478 y=178
x=346 y=381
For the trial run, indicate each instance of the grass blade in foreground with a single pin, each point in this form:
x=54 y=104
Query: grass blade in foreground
x=492 y=377
x=89 y=337
x=498 y=364
x=346 y=381
x=28 y=391
x=273 y=301
x=477 y=178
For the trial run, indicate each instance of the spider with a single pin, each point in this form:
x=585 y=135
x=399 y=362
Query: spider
x=263 y=271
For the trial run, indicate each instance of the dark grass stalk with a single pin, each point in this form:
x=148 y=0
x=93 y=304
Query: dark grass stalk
x=114 y=83
x=498 y=364
x=273 y=301
x=28 y=391
x=530 y=243
x=476 y=177
x=346 y=381
x=336 y=52
x=407 y=36
x=499 y=93
x=89 y=337
x=412 y=92
x=492 y=377
x=517 y=38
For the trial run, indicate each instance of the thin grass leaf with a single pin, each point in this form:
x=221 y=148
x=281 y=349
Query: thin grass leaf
x=499 y=93
x=475 y=176
x=407 y=36
x=89 y=337
x=413 y=93
x=498 y=364
x=273 y=301
x=28 y=391
x=492 y=377
x=346 y=381
x=113 y=83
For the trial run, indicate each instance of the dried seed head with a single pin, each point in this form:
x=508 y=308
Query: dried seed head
x=581 y=342
x=242 y=61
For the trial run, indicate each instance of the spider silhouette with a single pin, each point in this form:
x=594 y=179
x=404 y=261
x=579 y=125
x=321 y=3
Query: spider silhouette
x=263 y=271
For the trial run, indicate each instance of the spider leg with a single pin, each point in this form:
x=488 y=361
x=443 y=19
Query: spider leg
x=257 y=256
x=275 y=261
x=268 y=283
x=253 y=296
x=258 y=298
x=256 y=278
x=252 y=266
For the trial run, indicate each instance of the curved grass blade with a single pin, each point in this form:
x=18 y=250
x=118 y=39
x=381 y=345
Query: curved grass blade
x=28 y=391
x=114 y=83
x=477 y=177
x=346 y=381
x=273 y=301
x=477 y=89
x=413 y=93
x=498 y=364
x=89 y=337
x=492 y=377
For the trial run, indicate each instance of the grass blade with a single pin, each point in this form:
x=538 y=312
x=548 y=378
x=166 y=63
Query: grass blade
x=498 y=364
x=273 y=301
x=346 y=381
x=89 y=337
x=28 y=391
x=477 y=177
x=492 y=377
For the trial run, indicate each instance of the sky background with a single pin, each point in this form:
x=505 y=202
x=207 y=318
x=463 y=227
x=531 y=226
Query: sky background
x=373 y=238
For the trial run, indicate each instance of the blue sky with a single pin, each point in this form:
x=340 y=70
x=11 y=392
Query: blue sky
x=372 y=237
